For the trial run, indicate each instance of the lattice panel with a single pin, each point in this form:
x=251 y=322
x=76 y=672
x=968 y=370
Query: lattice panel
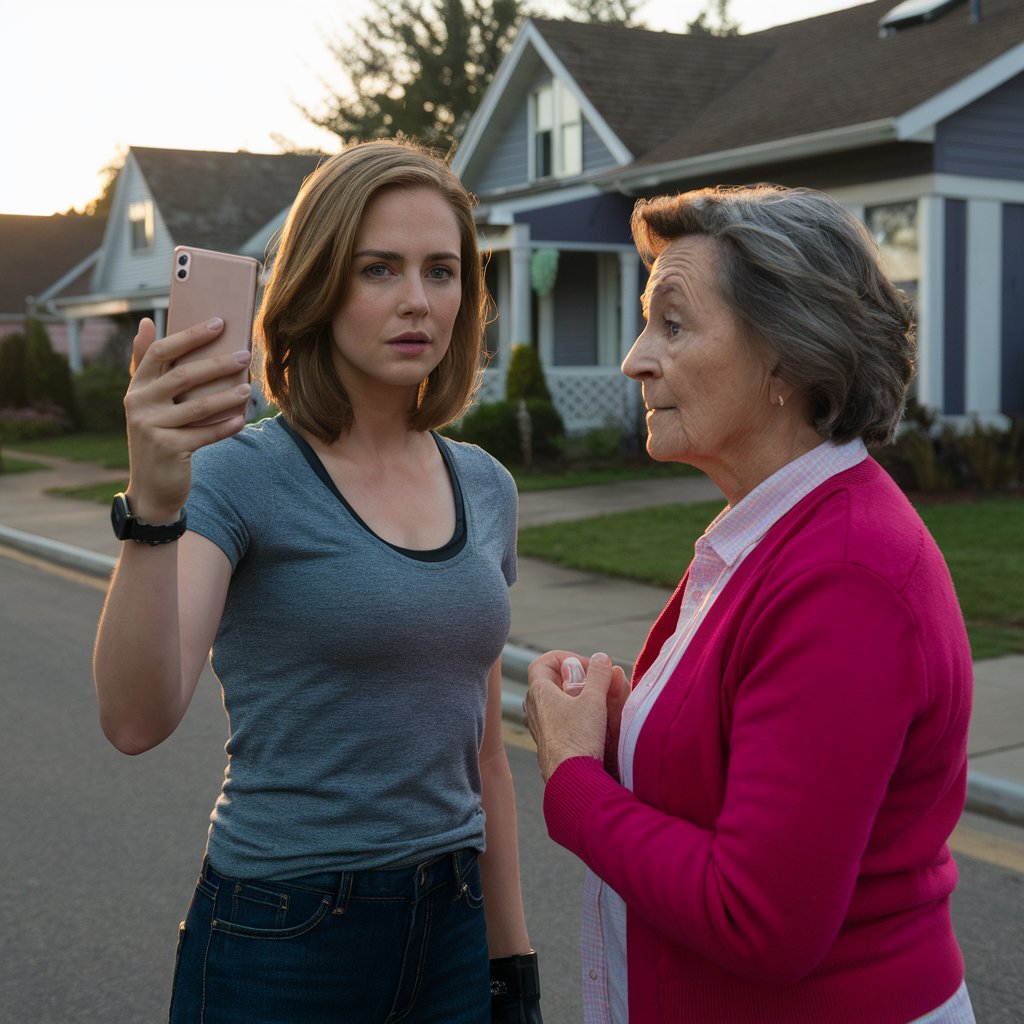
x=591 y=399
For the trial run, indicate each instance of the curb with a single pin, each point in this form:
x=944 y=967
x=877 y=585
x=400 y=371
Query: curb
x=986 y=794
x=58 y=552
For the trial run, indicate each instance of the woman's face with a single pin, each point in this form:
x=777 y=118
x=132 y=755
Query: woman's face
x=705 y=383
x=395 y=323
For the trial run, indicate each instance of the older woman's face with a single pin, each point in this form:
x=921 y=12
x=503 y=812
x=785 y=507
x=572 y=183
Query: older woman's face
x=705 y=383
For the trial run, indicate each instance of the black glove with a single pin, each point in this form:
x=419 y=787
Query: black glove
x=515 y=990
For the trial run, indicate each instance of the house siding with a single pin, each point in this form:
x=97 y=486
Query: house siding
x=596 y=155
x=508 y=166
x=986 y=138
x=123 y=269
x=955 y=308
x=602 y=219
x=575 y=327
x=1012 y=397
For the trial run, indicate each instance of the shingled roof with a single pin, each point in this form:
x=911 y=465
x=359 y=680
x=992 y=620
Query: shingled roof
x=36 y=251
x=671 y=97
x=218 y=200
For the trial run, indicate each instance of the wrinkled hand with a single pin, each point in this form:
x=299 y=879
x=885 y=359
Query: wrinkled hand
x=585 y=725
x=161 y=438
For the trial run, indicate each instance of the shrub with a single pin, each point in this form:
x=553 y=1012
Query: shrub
x=928 y=458
x=525 y=377
x=32 y=424
x=494 y=426
x=32 y=375
x=991 y=457
x=100 y=389
x=913 y=462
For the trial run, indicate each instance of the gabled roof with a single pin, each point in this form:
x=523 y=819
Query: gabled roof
x=836 y=71
x=219 y=200
x=36 y=251
x=834 y=79
x=642 y=83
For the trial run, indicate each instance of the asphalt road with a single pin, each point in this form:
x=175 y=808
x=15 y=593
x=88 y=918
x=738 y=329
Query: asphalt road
x=99 y=851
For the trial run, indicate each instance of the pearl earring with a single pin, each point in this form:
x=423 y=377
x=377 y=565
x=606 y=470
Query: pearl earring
x=781 y=401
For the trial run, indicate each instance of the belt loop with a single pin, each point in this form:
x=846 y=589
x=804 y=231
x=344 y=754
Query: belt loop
x=344 y=894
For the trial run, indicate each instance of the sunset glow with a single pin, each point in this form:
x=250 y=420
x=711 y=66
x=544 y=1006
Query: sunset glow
x=84 y=80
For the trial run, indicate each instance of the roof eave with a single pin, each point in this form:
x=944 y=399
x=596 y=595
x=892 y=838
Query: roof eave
x=797 y=147
x=926 y=115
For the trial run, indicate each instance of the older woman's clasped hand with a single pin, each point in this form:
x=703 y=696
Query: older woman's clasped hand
x=581 y=725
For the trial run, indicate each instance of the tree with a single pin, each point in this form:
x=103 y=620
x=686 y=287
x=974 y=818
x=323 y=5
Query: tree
x=418 y=71
x=609 y=12
x=721 y=25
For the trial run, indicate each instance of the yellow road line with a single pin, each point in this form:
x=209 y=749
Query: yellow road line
x=54 y=569
x=1004 y=853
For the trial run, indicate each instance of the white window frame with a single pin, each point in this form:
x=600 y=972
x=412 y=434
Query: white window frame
x=555 y=112
x=140 y=225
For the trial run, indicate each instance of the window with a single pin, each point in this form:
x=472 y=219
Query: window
x=140 y=225
x=557 y=132
x=894 y=228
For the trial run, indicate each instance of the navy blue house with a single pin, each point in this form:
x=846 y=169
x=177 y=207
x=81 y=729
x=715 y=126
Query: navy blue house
x=915 y=123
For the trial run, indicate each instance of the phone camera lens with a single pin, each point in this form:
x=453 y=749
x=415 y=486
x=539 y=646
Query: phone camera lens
x=182 y=274
x=182 y=259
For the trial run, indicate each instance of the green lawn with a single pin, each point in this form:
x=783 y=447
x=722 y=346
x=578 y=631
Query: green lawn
x=9 y=465
x=982 y=540
x=554 y=477
x=107 y=450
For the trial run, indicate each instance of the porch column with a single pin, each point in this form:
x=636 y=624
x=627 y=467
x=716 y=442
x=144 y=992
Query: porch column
x=983 y=357
x=629 y=315
x=520 y=329
x=160 y=321
x=931 y=329
x=629 y=300
x=74 y=344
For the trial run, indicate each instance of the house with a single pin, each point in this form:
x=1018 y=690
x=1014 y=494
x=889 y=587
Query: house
x=36 y=253
x=915 y=123
x=231 y=202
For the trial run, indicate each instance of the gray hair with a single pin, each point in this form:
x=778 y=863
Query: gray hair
x=803 y=273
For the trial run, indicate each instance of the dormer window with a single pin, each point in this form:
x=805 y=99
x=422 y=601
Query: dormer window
x=557 y=132
x=140 y=225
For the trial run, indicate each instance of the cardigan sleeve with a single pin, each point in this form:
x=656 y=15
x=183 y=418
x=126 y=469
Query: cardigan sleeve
x=827 y=677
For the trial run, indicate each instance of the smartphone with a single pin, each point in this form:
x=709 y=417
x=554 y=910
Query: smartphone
x=205 y=284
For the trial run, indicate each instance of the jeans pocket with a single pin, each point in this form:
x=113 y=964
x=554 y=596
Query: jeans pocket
x=468 y=884
x=261 y=910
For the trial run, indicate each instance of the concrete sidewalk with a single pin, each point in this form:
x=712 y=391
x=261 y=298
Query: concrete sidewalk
x=551 y=606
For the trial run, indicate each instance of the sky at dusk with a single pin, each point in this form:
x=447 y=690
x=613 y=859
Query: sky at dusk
x=81 y=80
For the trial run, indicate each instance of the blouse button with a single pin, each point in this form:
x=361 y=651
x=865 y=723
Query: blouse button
x=593 y=974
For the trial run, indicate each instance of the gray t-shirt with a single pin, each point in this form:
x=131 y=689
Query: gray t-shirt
x=354 y=675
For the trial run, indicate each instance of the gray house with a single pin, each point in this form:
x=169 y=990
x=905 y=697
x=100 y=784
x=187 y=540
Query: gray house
x=232 y=202
x=912 y=116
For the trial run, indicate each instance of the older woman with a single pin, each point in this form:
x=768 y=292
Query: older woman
x=766 y=835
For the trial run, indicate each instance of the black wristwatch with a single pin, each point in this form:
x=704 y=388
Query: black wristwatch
x=129 y=527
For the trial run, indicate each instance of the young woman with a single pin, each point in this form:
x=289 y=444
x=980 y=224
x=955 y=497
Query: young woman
x=349 y=569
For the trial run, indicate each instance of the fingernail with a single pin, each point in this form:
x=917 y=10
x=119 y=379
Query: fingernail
x=601 y=657
x=243 y=357
x=214 y=324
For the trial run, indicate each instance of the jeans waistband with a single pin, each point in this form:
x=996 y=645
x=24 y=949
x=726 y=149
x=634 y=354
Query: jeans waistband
x=410 y=882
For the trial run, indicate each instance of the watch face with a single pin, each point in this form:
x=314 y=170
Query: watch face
x=119 y=517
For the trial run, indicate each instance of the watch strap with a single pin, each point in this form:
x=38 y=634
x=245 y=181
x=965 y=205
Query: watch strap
x=129 y=527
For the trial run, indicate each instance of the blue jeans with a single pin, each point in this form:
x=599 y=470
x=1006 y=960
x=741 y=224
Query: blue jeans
x=364 y=947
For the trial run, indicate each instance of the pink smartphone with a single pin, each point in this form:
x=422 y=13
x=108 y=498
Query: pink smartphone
x=205 y=284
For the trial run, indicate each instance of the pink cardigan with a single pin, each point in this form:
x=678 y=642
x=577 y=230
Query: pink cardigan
x=783 y=857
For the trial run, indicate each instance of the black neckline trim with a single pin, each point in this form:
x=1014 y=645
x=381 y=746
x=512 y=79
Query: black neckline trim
x=441 y=554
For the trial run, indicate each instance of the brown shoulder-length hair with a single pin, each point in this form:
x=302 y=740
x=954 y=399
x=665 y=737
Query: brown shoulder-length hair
x=804 y=274
x=311 y=267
